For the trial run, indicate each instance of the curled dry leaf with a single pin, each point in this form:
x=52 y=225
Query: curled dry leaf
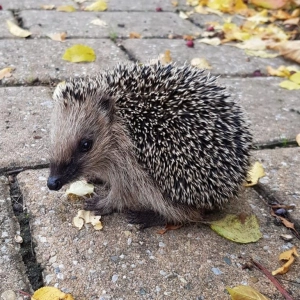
x=99 y=22
x=100 y=5
x=50 y=293
x=245 y=292
x=6 y=72
x=134 y=35
x=289 y=49
x=16 y=30
x=80 y=188
x=256 y=171
x=48 y=7
x=289 y=256
x=59 y=37
x=200 y=63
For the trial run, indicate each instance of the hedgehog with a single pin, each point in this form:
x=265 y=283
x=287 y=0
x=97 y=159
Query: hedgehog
x=167 y=142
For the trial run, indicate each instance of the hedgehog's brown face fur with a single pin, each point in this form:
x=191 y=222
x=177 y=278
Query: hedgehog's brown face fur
x=81 y=133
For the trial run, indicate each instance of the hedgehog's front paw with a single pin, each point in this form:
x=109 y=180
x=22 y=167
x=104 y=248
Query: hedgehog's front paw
x=98 y=205
x=145 y=219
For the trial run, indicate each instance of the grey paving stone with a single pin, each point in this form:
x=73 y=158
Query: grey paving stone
x=4 y=16
x=12 y=270
x=282 y=174
x=36 y=59
x=120 y=24
x=133 y=5
x=33 y=4
x=24 y=126
x=273 y=111
x=225 y=60
x=123 y=262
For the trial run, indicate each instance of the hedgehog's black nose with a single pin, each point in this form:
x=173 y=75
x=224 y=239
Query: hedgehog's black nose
x=54 y=183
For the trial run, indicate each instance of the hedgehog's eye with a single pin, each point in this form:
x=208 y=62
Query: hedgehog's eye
x=85 y=145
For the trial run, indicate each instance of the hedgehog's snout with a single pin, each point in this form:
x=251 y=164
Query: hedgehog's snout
x=54 y=183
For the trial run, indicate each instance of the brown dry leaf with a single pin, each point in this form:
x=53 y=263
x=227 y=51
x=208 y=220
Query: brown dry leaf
x=48 y=7
x=290 y=257
x=6 y=72
x=59 y=37
x=167 y=228
x=134 y=35
x=66 y=8
x=289 y=49
x=284 y=221
x=16 y=30
x=282 y=71
x=200 y=63
x=298 y=139
x=293 y=21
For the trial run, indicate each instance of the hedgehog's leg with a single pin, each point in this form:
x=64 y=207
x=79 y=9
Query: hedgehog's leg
x=145 y=219
x=101 y=206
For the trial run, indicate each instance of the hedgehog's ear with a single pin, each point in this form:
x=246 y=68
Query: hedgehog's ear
x=107 y=105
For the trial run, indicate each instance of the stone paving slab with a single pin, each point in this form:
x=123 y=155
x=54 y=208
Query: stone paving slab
x=225 y=60
x=33 y=4
x=122 y=262
x=282 y=174
x=272 y=110
x=24 y=126
x=113 y=5
x=4 y=16
x=42 y=59
x=12 y=270
x=29 y=120
x=120 y=24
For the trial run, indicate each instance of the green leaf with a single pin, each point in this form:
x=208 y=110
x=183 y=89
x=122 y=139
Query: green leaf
x=241 y=229
x=79 y=53
x=245 y=292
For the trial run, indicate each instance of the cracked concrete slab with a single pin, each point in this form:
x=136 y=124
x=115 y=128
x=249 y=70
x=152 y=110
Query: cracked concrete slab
x=224 y=60
x=12 y=270
x=119 y=24
x=191 y=262
x=41 y=60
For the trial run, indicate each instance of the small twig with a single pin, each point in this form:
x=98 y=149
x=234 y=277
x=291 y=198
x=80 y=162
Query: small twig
x=276 y=283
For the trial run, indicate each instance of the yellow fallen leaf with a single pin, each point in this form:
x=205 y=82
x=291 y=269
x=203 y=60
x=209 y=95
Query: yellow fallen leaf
x=100 y=5
x=256 y=171
x=238 y=228
x=6 y=72
x=245 y=292
x=66 y=8
x=99 y=22
x=59 y=37
x=288 y=255
x=261 y=53
x=298 y=139
x=200 y=63
x=289 y=85
x=270 y=4
x=200 y=9
x=295 y=77
x=79 y=53
x=213 y=41
x=50 y=293
x=165 y=58
x=16 y=30
x=254 y=43
x=261 y=17
x=282 y=71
